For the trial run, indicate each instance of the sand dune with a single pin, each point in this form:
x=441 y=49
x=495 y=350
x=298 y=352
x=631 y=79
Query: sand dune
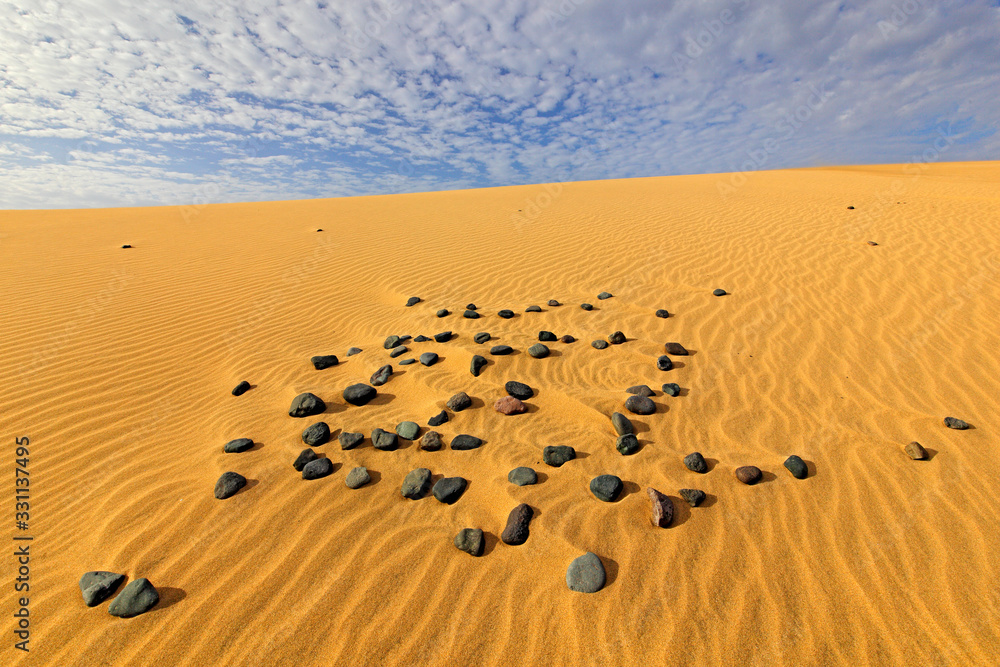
x=118 y=364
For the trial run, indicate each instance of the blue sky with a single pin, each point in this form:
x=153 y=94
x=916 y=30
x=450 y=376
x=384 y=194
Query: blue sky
x=106 y=103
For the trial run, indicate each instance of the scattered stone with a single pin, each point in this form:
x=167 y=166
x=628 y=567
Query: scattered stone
x=506 y=314
x=627 y=444
x=304 y=457
x=478 y=364
x=324 y=361
x=662 y=313
x=553 y=303
x=586 y=306
x=428 y=358
x=914 y=450
x=621 y=423
x=695 y=462
x=391 y=342
x=306 y=405
x=354 y=350
x=127 y=245
x=398 y=351
x=471 y=541
x=640 y=405
x=546 y=336
x=471 y=306
x=500 y=350
x=442 y=337
x=662 y=508
x=438 y=419
x=617 y=338
x=748 y=474
x=357 y=478
x=242 y=388
x=558 y=455
x=416 y=483
x=672 y=389
x=384 y=440
x=586 y=574
x=381 y=376
x=350 y=440
x=238 y=446
x=798 y=467
x=606 y=487
x=229 y=484
x=664 y=363
x=604 y=295
x=676 y=349
x=431 y=442
x=516 y=531
x=850 y=208
x=481 y=337
x=408 y=430
x=464 y=442
x=719 y=292
x=470 y=315
x=449 y=489
x=872 y=243
x=459 y=402
x=694 y=497
x=538 y=351
x=317 y=469
x=98 y=586
x=522 y=476
x=599 y=344
x=137 y=598
x=421 y=339
x=955 y=423
x=360 y=394
x=407 y=362
x=508 y=405
x=444 y=312
x=413 y=300
x=533 y=309
x=317 y=434
x=320 y=229
x=640 y=390
x=519 y=390
x=403 y=339
x=567 y=339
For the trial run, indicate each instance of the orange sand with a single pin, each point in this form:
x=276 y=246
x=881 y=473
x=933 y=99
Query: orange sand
x=118 y=364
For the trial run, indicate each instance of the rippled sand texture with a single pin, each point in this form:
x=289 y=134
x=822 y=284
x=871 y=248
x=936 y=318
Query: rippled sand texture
x=118 y=364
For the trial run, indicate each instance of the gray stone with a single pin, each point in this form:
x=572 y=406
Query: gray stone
x=360 y=394
x=444 y=312
x=481 y=337
x=471 y=315
x=501 y=350
x=229 y=484
x=137 y=598
x=664 y=363
x=506 y=314
x=408 y=430
x=459 y=402
x=606 y=487
x=604 y=295
x=662 y=313
x=98 y=586
x=304 y=457
x=442 y=337
x=719 y=292
x=586 y=306
x=407 y=362
x=449 y=489
x=617 y=338
x=695 y=462
x=354 y=350
x=538 y=351
x=317 y=469
x=640 y=405
x=748 y=474
x=621 y=423
x=478 y=364
x=519 y=390
x=431 y=442
x=672 y=389
x=955 y=423
x=391 y=342
x=357 y=478
x=553 y=303
x=694 y=497
x=546 y=336
x=797 y=467
x=555 y=456
x=676 y=349
x=242 y=388
x=428 y=358
x=316 y=435
x=438 y=419
x=398 y=351
x=518 y=522
x=914 y=450
x=522 y=476
x=421 y=339
x=533 y=309
x=662 y=510
x=471 y=306
x=464 y=442
x=306 y=405
x=384 y=440
x=599 y=344
x=350 y=440
x=238 y=445
x=416 y=483
x=412 y=301
x=324 y=361
x=567 y=339
x=627 y=444
x=640 y=390
x=471 y=541
x=586 y=574
x=382 y=375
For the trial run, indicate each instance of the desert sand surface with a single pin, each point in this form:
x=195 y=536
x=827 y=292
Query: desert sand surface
x=118 y=365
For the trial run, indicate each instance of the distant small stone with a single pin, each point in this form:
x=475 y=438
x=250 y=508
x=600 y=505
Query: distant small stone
x=519 y=390
x=127 y=245
x=627 y=444
x=242 y=388
x=672 y=389
x=465 y=442
x=408 y=430
x=538 y=351
x=676 y=349
x=98 y=586
x=238 y=446
x=664 y=363
x=662 y=510
x=506 y=314
x=229 y=484
x=851 y=208
x=384 y=440
x=546 y=336
x=553 y=303
x=382 y=375
x=438 y=419
x=640 y=405
x=558 y=455
x=407 y=362
x=748 y=474
x=306 y=405
x=354 y=350
x=481 y=337
x=621 y=423
x=586 y=306
x=442 y=337
x=350 y=440
x=567 y=339
x=533 y=309
x=797 y=467
x=915 y=451
x=137 y=598
x=508 y=405
x=470 y=315
x=872 y=243
x=719 y=292
x=444 y=312
x=421 y=339
x=357 y=478
x=398 y=351
x=518 y=521
x=955 y=423
x=431 y=442
x=449 y=489
x=471 y=541
x=360 y=394
x=413 y=300
x=604 y=295
x=478 y=364
x=471 y=306
x=428 y=358
x=586 y=574
x=662 y=313
x=693 y=497
x=695 y=462
x=500 y=350
x=640 y=390
x=522 y=476
x=305 y=456
x=606 y=487
x=459 y=402
x=617 y=338
x=320 y=229
x=599 y=344
x=317 y=469
x=317 y=434
x=416 y=483
x=391 y=342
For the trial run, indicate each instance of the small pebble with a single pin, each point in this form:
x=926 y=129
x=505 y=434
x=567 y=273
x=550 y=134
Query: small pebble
x=533 y=309
x=672 y=389
x=481 y=337
x=538 y=351
x=444 y=312
x=662 y=511
x=955 y=423
x=546 y=336
x=350 y=440
x=694 y=497
x=357 y=478
x=522 y=476
x=719 y=292
x=438 y=419
x=238 y=446
x=586 y=574
x=748 y=474
x=242 y=388
x=354 y=350
x=567 y=339
x=412 y=301
x=431 y=442
x=501 y=350
x=617 y=338
x=695 y=462
x=471 y=541
x=586 y=306
x=599 y=344
x=797 y=467
x=428 y=358
x=640 y=405
x=553 y=303
x=662 y=313
x=506 y=314
x=478 y=364
x=664 y=363
x=459 y=402
x=676 y=349
x=442 y=337
x=916 y=451
x=604 y=295
x=470 y=315
x=317 y=469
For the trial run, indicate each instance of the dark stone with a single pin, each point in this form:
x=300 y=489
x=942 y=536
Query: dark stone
x=481 y=337
x=416 y=483
x=599 y=344
x=555 y=456
x=627 y=444
x=428 y=358
x=501 y=350
x=391 y=342
x=955 y=423
x=306 y=405
x=586 y=574
x=621 y=423
x=519 y=390
x=470 y=315
x=567 y=339
x=508 y=405
x=662 y=313
x=407 y=362
x=719 y=292
x=471 y=541
x=851 y=208
x=98 y=586
x=413 y=300
x=604 y=295
x=506 y=314
x=442 y=337
x=316 y=435
x=533 y=309
x=431 y=442
x=421 y=339
x=242 y=388
x=676 y=349
x=664 y=363
x=449 y=489
x=438 y=419
x=464 y=442
x=384 y=440
x=672 y=389
x=797 y=467
x=553 y=303
x=640 y=390
x=478 y=364
x=317 y=469
x=748 y=474
x=640 y=405
x=398 y=351
x=695 y=462
x=127 y=245
x=403 y=339
x=586 y=306
x=459 y=402
x=304 y=457
x=444 y=312
x=381 y=376
x=228 y=485
x=324 y=361
x=357 y=478
x=350 y=440
x=606 y=487
x=914 y=450
x=522 y=476
x=320 y=229
x=546 y=336
x=360 y=394
x=662 y=510
x=617 y=338
x=408 y=430
x=516 y=531
x=538 y=351
x=238 y=445
x=354 y=350
x=694 y=497
x=137 y=598
x=471 y=306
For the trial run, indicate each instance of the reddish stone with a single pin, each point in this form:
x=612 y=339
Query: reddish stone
x=509 y=405
x=663 y=508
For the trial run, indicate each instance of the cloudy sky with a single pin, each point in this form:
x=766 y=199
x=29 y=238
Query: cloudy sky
x=114 y=103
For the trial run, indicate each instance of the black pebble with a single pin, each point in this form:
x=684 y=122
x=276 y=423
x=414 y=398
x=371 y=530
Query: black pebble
x=241 y=388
